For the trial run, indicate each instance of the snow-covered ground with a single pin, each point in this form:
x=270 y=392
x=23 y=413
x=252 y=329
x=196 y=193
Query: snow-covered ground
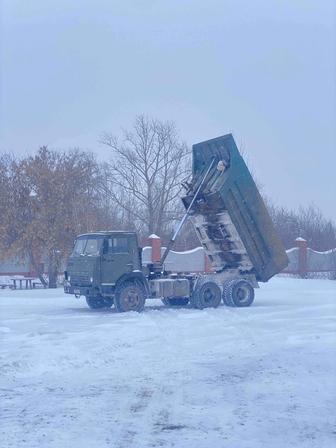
x=233 y=378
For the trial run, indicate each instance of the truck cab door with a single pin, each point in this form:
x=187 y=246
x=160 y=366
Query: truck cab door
x=117 y=259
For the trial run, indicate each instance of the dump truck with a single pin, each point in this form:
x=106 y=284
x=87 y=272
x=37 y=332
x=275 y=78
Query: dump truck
x=233 y=226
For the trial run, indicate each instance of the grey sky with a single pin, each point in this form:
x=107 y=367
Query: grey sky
x=264 y=70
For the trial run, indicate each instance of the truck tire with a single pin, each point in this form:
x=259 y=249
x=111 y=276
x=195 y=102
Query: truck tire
x=207 y=296
x=238 y=293
x=130 y=296
x=97 y=302
x=175 y=301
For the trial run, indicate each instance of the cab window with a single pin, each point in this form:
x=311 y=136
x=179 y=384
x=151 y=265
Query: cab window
x=79 y=247
x=87 y=245
x=118 y=244
x=93 y=246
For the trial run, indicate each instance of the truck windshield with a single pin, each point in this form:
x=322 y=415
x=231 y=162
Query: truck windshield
x=87 y=246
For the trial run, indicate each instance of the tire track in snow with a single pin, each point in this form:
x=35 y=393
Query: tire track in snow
x=150 y=405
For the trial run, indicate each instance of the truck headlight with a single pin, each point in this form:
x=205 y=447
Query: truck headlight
x=91 y=279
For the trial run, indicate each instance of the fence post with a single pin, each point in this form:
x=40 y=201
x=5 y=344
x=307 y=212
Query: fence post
x=301 y=244
x=207 y=263
x=155 y=244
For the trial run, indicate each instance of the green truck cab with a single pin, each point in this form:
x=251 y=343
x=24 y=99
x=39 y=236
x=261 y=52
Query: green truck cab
x=101 y=263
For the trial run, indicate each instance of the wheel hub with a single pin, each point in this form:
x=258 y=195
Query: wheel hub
x=208 y=296
x=242 y=293
x=131 y=299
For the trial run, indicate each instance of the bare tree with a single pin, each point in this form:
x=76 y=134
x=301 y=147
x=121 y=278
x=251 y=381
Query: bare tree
x=45 y=201
x=308 y=223
x=147 y=168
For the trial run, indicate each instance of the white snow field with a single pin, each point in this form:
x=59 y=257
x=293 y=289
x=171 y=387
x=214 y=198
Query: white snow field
x=234 y=378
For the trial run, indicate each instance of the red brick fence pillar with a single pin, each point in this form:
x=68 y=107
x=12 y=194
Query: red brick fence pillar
x=207 y=264
x=155 y=244
x=302 y=245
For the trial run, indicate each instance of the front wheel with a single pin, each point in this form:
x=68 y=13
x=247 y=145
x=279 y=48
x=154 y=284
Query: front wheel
x=97 y=302
x=238 y=293
x=130 y=297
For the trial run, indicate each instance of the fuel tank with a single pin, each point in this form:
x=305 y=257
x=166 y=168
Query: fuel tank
x=229 y=214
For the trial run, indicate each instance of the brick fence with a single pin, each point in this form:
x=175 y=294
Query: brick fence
x=302 y=259
x=194 y=260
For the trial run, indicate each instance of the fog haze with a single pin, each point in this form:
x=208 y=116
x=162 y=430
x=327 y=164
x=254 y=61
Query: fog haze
x=263 y=70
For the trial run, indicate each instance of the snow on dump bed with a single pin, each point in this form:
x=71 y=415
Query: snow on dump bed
x=235 y=378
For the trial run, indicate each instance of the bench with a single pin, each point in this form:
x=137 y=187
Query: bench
x=5 y=285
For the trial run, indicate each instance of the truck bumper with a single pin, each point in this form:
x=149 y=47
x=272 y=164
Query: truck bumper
x=77 y=290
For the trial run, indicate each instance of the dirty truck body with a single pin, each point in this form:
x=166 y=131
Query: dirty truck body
x=231 y=222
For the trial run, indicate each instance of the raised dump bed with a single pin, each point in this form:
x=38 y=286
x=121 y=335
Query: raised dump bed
x=229 y=215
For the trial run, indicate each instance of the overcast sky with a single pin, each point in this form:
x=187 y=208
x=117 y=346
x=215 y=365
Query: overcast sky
x=264 y=70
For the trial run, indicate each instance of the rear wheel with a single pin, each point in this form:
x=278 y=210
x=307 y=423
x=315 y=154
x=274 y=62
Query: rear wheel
x=207 y=296
x=96 y=302
x=238 y=293
x=175 y=301
x=130 y=297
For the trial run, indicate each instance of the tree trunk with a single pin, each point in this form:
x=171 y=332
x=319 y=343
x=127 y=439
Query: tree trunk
x=52 y=272
x=37 y=268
